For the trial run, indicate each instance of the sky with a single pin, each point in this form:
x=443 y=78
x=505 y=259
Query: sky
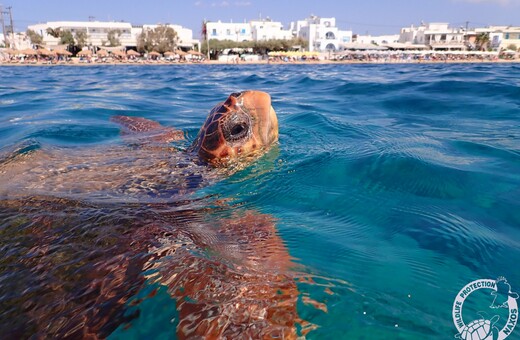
x=375 y=17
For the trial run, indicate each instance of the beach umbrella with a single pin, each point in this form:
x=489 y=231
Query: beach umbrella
x=133 y=53
x=169 y=53
x=180 y=53
x=102 y=53
x=11 y=51
x=62 y=52
x=44 y=52
x=154 y=54
x=192 y=52
x=85 y=53
x=120 y=54
x=28 y=51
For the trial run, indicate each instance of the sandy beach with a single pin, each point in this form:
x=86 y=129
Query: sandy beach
x=77 y=62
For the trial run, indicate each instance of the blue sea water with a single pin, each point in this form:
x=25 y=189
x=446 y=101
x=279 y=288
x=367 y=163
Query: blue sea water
x=393 y=185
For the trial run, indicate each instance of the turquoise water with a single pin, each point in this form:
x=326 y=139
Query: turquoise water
x=393 y=185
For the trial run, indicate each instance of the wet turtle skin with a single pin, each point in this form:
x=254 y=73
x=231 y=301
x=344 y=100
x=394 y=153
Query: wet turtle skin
x=82 y=230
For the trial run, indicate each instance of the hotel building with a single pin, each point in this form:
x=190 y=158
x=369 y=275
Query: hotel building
x=438 y=36
x=501 y=37
x=321 y=34
x=97 y=32
x=254 y=30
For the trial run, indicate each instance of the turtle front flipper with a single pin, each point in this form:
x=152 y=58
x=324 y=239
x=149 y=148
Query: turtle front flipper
x=145 y=130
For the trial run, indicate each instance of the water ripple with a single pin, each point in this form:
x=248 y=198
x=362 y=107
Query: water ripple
x=392 y=186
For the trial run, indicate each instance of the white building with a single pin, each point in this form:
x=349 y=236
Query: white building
x=501 y=37
x=229 y=31
x=267 y=29
x=377 y=40
x=97 y=32
x=184 y=35
x=438 y=36
x=255 y=30
x=321 y=33
x=17 y=41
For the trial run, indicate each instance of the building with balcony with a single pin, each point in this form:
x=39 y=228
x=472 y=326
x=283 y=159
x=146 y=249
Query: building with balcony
x=321 y=34
x=438 y=36
x=254 y=30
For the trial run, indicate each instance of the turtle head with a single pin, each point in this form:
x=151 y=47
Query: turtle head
x=242 y=127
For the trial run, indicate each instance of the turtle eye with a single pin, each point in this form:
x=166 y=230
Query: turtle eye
x=236 y=127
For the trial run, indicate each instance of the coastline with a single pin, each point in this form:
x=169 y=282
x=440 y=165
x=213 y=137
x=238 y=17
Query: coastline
x=264 y=62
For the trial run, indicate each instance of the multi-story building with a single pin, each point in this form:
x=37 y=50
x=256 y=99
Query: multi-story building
x=501 y=37
x=511 y=37
x=438 y=36
x=321 y=33
x=267 y=29
x=97 y=32
x=229 y=31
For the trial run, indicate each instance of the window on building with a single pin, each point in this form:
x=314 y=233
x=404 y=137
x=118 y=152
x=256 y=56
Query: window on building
x=228 y=31
x=330 y=47
x=330 y=35
x=214 y=31
x=507 y=36
x=243 y=31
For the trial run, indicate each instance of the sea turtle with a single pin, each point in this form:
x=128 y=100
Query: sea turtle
x=480 y=329
x=83 y=229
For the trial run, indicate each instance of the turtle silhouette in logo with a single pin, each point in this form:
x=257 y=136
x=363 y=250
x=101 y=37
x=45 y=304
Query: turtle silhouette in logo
x=83 y=230
x=502 y=294
x=481 y=329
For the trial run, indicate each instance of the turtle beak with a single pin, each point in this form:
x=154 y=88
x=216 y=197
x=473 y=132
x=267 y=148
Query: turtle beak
x=259 y=105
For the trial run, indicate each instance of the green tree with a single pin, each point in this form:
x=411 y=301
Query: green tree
x=259 y=47
x=511 y=47
x=81 y=39
x=113 y=38
x=34 y=37
x=160 y=39
x=66 y=38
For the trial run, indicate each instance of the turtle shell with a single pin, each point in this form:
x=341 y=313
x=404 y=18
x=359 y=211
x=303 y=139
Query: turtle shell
x=478 y=330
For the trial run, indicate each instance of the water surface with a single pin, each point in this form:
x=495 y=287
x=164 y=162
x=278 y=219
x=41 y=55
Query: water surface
x=392 y=186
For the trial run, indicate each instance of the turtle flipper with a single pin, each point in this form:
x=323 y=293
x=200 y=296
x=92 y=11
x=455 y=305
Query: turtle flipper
x=146 y=130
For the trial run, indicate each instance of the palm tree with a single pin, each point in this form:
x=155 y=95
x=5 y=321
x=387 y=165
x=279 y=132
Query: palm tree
x=482 y=41
x=54 y=32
